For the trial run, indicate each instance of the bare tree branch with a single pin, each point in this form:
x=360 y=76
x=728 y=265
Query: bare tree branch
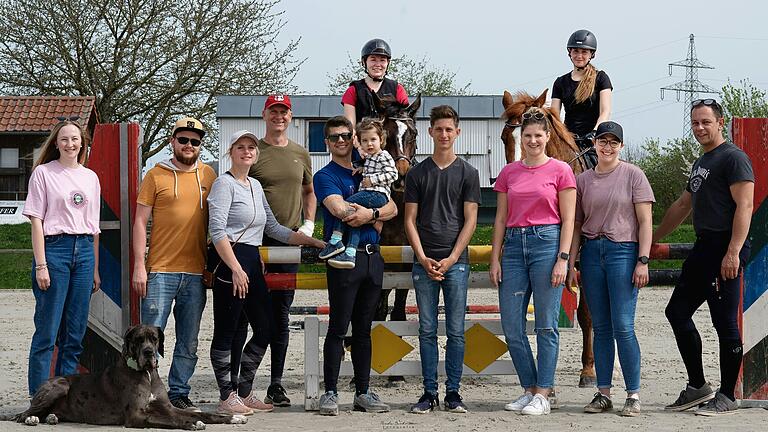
x=149 y=61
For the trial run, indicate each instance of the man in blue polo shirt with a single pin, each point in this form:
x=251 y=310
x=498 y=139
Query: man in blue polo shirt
x=352 y=293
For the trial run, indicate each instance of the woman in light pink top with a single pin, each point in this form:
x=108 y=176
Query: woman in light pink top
x=63 y=204
x=613 y=224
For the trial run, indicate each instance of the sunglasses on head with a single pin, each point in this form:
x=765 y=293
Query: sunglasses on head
x=705 y=102
x=537 y=115
x=185 y=141
x=339 y=137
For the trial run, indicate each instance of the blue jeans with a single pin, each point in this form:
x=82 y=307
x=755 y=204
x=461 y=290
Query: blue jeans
x=455 y=298
x=367 y=199
x=61 y=311
x=606 y=275
x=188 y=292
x=526 y=264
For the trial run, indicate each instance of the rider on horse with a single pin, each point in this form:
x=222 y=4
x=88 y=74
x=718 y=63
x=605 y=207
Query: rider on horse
x=584 y=92
x=358 y=100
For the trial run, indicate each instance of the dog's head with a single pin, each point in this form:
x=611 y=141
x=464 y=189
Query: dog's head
x=141 y=345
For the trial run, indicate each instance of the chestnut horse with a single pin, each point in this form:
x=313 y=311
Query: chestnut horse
x=560 y=146
x=399 y=122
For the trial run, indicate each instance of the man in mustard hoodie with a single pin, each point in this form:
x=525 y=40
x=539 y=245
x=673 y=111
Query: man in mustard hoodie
x=174 y=192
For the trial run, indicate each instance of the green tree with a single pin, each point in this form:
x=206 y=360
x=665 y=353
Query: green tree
x=149 y=61
x=667 y=168
x=417 y=76
x=744 y=100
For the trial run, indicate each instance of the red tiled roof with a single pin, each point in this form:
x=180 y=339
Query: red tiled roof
x=38 y=113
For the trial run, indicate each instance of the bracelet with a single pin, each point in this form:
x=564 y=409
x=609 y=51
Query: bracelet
x=41 y=266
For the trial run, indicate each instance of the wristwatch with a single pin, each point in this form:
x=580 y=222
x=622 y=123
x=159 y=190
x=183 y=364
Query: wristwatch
x=643 y=259
x=375 y=214
x=564 y=255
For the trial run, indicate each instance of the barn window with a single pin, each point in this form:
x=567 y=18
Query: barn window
x=316 y=137
x=9 y=158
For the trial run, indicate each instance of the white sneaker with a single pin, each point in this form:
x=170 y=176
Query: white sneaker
x=518 y=404
x=539 y=405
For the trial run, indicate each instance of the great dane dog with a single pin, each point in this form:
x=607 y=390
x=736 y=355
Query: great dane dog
x=128 y=393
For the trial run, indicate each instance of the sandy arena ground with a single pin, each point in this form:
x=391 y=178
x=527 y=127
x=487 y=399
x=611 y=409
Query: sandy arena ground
x=663 y=376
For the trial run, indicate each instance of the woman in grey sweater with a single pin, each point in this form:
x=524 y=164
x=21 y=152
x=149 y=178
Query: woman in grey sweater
x=239 y=216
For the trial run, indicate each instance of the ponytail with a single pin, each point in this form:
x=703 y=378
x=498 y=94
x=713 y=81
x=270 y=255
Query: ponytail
x=587 y=84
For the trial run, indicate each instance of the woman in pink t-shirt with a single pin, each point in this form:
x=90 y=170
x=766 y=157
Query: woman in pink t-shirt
x=534 y=222
x=63 y=204
x=613 y=216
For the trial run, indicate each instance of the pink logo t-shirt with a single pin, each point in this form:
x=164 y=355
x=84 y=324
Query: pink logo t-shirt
x=66 y=199
x=532 y=192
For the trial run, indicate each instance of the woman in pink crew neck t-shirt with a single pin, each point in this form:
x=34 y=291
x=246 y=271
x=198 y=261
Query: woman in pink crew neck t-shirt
x=534 y=222
x=63 y=203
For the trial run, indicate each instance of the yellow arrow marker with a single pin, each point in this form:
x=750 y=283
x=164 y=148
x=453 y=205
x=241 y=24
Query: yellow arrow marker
x=387 y=348
x=481 y=348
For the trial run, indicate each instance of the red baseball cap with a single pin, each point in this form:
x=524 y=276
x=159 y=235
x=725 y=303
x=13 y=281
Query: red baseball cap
x=278 y=99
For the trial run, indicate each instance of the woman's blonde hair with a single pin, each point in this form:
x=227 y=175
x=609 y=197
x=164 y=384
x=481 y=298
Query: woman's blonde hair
x=50 y=150
x=587 y=84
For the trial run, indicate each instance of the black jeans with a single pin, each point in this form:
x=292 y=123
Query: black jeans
x=701 y=282
x=352 y=295
x=234 y=365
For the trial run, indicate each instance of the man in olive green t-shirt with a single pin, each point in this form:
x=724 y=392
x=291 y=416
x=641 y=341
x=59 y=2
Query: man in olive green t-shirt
x=284 y=170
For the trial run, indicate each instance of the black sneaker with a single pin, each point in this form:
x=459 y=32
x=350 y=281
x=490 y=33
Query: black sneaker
x=427 y=402
x=452 y=403
x=691 y=397
x=276 y=396
x=600 y=403
x=718 y=405
x=183 y=402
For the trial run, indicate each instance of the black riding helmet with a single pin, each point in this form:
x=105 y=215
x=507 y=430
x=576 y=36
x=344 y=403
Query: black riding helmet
x=378 y=47
x=582 y=39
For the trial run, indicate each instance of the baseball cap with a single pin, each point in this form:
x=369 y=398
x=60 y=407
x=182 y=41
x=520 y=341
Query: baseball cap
x=610 y=127
x=240 y=134
x=278 y=99
x=188 y=124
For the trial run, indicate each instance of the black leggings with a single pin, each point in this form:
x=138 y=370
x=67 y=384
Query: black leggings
x=701 y=282
x=234 y=366
x=352 y=296
x=281 y=301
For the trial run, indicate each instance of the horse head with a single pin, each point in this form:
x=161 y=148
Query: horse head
x=561 y=144
x=399 y=122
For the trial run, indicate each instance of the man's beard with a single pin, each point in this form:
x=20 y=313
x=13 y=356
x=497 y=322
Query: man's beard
x=179 y=155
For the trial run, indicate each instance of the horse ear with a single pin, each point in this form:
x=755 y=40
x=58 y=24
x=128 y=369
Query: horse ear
x=506 y=100
x=542 y=98
x=414 y=107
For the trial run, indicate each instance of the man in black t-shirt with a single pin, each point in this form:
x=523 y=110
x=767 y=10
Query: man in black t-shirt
x=720 y=192
x=442 y=194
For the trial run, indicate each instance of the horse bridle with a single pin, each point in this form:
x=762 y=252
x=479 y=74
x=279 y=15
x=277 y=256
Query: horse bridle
x=507 y=124
x=411 y=160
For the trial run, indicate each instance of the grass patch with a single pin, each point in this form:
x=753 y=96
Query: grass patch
x=17 y=236
x=16 y=270
x=15 y=267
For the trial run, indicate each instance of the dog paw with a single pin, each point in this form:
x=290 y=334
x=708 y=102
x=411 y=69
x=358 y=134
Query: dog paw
x=197 y=426
x=51 y=419
x=32 y=421
x=238 y=419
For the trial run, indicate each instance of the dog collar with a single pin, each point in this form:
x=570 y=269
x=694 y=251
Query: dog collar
x=131 y=363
